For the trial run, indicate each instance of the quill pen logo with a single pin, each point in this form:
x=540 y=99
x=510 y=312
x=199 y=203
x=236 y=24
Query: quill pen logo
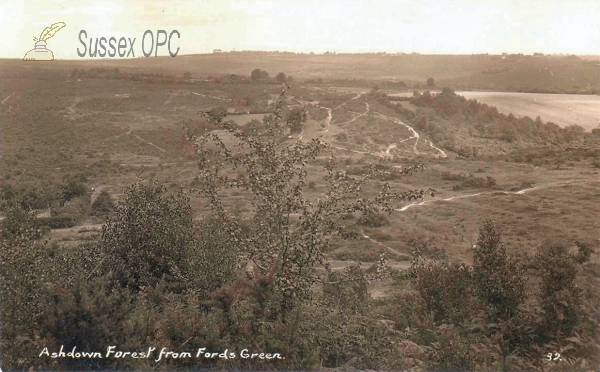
x=40 y=52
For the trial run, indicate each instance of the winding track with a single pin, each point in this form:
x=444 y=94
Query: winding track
x=4 y=100
x=336 y=265
x=496 y=192
x=414 y=135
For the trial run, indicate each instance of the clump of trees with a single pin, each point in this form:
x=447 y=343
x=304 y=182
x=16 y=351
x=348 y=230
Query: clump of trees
x=492 y=124
x=484 y=317
x=67 y=200
x=259 y=75
x=281 y=77
x=469 y=181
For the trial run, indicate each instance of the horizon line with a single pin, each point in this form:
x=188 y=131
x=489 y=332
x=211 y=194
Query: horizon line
x=327 y=54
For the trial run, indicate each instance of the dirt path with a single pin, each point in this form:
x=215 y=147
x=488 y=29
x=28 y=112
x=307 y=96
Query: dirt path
x=340 y=265
x=171 y=95
x=381 y=244
x=329 y=117
x=96 y=192
x=143 y=140
x=495 y=192
x=358 y=115
x=351 y=99
x=389 y=148
x=330 y=112
x=415 y=134
x=204 y=95
x=75 y=229
x=5 y=99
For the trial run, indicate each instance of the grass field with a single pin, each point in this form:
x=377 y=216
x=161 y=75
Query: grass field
x=562 y=109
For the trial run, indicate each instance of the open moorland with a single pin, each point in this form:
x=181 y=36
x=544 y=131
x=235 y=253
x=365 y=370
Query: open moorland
x=77 y=135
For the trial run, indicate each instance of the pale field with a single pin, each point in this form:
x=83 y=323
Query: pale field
x=561 y=109
x=245 y=119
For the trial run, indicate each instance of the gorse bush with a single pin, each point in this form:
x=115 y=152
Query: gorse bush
x=149 y=237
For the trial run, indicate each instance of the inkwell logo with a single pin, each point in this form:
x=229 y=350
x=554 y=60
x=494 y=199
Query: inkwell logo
x=40 y=52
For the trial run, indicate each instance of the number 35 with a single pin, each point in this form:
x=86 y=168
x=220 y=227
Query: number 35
x=553 y=356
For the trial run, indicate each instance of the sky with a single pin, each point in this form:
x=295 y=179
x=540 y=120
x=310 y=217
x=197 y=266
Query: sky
x=354 y=26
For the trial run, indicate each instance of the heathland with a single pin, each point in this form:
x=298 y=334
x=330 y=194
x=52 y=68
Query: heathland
x=376 y=216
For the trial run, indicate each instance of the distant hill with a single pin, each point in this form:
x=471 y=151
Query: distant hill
x=515 y=72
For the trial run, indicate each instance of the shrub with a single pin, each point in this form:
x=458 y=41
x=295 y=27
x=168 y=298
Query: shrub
x=78 y=208
x=57 y=222
x=103 y=204
x=148 y=237
x=449 y=176
x=378 y=219
x=499 y=283
x=195 y=182
x=469 y=181
x=342 y=137
x=560 y=296
x=526 y=184
x=426 y=247
x=381 y=236
x=74 y=187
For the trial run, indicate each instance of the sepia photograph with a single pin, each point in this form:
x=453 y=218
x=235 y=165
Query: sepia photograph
x=300 y=185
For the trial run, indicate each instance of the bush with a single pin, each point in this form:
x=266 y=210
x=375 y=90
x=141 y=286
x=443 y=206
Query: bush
x=74 y=187
x=77 y=208
x=470 y=181
x=378 y=219
x=446 y=291
x=195 y=182
x=526 y=184
x=449 y=176
x=57 y=222
x=149 y=236
x=103 y=204
x=381 y=236
x=342 y=137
